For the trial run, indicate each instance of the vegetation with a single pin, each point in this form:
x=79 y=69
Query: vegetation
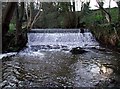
x=18 y=18
x=11 y=27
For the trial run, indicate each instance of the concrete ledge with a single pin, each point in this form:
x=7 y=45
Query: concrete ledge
x=54 y=31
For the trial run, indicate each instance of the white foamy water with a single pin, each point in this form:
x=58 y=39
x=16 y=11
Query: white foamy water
x=64 y=37
x=7 y=54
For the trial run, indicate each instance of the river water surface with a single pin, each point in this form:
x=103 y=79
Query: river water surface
x=52 y=65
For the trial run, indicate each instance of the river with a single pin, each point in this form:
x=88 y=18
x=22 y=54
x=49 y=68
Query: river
x=48 y=62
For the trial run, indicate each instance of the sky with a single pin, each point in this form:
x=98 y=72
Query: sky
x=93 y=4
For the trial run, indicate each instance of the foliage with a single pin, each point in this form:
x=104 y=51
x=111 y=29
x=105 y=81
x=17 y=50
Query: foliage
x=11 y=27
x=95 y=16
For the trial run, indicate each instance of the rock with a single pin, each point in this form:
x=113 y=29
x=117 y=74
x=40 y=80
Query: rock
x=77 y=50
x=56 y=47
x=102 y=49
x=49 y=47
x=65 y=49
x=64 y=46
x=99 y=48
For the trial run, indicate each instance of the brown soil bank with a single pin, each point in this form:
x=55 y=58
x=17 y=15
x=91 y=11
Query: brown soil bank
x=107 y=35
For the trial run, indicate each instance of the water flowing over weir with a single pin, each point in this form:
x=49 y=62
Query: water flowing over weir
x=58 y=38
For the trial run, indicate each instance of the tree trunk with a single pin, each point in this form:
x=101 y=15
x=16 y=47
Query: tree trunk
x=7 y=17
x=30 y=19
x=73 y=6
x=107 y=14
x=35 y=19
x=118 y=3
x=19 y=20
x=109 y=5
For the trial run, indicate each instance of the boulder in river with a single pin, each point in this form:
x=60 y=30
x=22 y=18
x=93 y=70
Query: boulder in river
x=77 y=50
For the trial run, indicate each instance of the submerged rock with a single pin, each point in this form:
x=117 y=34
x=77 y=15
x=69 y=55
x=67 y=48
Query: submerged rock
x=99 y=48
x=77 y=50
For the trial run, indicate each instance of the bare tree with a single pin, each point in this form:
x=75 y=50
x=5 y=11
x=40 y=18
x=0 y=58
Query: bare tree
x=32 y=19
x=29 y=17
x=107 y=15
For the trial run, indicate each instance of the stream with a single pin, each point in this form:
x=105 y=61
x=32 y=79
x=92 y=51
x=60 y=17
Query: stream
x=48 y=62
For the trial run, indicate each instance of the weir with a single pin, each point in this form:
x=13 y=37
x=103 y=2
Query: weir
x=61 y=37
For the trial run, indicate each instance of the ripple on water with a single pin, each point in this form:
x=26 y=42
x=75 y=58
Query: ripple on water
x=57 y=68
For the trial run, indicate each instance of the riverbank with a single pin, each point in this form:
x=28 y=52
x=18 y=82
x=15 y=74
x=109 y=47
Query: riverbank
x=10 y=44
x=107 y=35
